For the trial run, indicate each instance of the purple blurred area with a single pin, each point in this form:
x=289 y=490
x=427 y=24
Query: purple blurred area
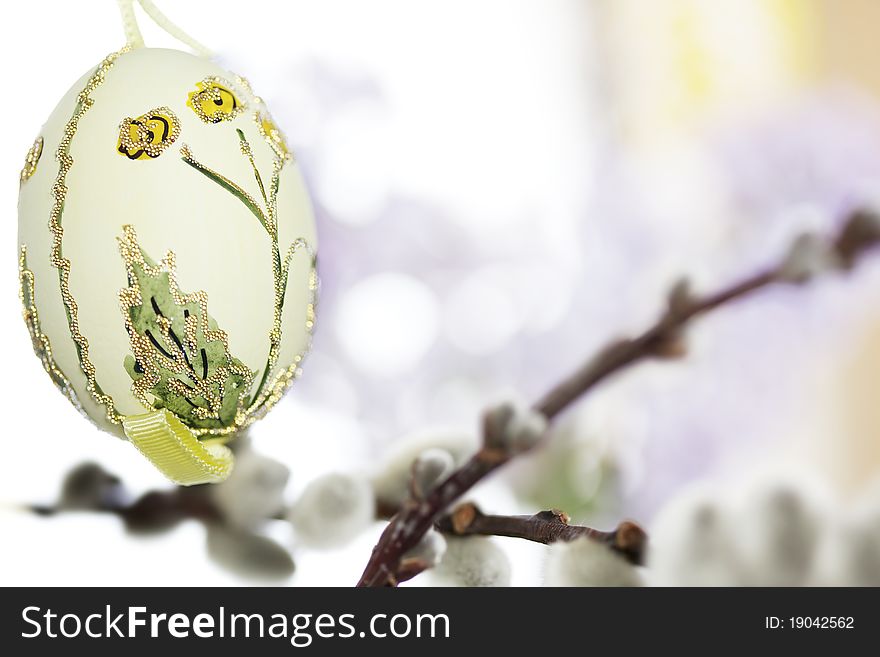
x=438 y=298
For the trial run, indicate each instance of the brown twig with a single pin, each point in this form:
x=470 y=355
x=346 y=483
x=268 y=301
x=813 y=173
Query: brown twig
x=408 y=569
x=662 y=340
x=88 y=487
x=628 y=539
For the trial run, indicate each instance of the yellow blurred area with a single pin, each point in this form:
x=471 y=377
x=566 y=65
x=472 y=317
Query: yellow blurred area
x=672 y=64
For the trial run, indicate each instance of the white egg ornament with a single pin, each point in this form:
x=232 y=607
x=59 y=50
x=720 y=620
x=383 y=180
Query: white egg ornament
x=167 y=261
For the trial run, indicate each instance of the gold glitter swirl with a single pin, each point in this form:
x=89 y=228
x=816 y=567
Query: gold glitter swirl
x=31 y=159
x=84 y=102
x=42 y=347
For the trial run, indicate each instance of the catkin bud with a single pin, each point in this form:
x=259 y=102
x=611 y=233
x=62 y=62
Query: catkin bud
x=780 y=546
x=333 y=510
x=854 y=555
x=392 y=482
x=254 y=490
x=807 y=257
x=248 y=554
x=692 y=545
x=430 y=468
x=472 y=561
x=587 y=562
x=513 y=427
x=429 y=550
x=859 y=551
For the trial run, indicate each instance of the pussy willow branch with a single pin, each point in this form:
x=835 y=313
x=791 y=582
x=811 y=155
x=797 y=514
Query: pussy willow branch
x=665 y=339
x=628 y=539
x=88 y=487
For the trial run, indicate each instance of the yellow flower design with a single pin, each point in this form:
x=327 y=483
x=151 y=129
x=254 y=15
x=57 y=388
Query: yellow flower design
x=148 y=135
x=213 y=101
x=31 y=159
x=272 y=135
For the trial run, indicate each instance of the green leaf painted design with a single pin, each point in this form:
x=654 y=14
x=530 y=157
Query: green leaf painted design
x=235 y=189
x=181 y=359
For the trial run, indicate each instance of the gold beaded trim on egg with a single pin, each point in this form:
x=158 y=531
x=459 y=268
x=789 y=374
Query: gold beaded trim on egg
x=84 y=101
x=31 y=159
x=149 y=135
x=280 y=384
x=42 y=347
x=267 y=394
x=277 y=385
x=245 y=84
x=265 y=124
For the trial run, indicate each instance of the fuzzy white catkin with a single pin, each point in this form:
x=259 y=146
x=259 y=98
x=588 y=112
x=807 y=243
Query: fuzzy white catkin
x=859 y=556
x=586 y=562
x=526 y=428
x=430 y=549
x=432 y=466
x=472 y=561
x=514 y=426
x=856 y=547
x=784 y=530
x=808 y=256
x=391 y=482
x=691 y=545
x=254 y=490
x=333 y=510
x=247 y=554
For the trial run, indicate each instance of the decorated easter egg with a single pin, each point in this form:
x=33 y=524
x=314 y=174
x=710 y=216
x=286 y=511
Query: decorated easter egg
x=167 y=256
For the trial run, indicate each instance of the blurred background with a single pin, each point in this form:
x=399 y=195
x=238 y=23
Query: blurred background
x=500 y=187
